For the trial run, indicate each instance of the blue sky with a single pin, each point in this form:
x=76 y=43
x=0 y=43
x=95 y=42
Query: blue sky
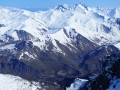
x=51 y=3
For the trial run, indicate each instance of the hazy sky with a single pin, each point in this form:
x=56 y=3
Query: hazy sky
x=51 y=3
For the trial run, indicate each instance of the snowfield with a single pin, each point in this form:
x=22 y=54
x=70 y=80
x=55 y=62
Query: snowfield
x=77 y=84
x=115 y=85
x=10 y=82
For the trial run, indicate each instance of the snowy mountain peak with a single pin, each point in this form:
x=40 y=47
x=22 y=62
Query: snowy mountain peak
x=62 y=7
x=10 y=8
x=115 y=12
x=81 y=6
x=83 y=19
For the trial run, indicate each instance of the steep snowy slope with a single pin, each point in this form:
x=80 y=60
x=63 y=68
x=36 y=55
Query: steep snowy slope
x=15 y=22
x=77 y=84
x=9 y=82
x=96 y=24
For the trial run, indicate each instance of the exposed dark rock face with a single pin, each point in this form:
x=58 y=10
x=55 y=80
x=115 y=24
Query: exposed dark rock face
x=118 y=21
x=109 y=73
x=106 y=29
x=22 y=44
x=2 y=25
x=93 y=61
x=32 y=63
x=23 y=35
x=18 y=68
x=66 y=82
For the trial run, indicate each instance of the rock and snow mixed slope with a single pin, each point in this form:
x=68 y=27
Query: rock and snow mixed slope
x=98 y=25
x=77 y=84
x=109 y=77
x=62 y=41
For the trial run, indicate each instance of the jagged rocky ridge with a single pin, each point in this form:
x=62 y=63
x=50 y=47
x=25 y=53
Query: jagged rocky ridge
x=108 y=79
x=25 y=58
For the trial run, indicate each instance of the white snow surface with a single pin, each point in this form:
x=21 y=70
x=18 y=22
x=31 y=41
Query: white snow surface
x=10 y=82
x=9 y=46
x=117 y=45
x=86 y=21
x=77 y=84
x=115 y=85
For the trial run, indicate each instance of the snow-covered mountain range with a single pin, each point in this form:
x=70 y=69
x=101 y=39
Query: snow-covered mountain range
x=96 y=24
x=64 y=41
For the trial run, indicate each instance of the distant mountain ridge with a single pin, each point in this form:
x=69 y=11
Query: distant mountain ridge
x=77 y=16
